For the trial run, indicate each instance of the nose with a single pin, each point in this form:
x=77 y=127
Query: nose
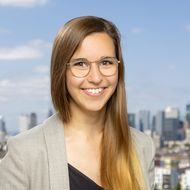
x=94 y=75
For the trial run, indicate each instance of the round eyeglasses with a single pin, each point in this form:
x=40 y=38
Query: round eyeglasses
x=80 y=67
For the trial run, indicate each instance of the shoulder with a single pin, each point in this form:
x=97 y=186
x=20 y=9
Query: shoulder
x=142 y=142
x=27 y=145
x=140 y=137
x=31 y=141
x=27 y=159
x=34 y=136
x=25 y=138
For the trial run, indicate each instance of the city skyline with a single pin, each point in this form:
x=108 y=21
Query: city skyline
x=134 y=118
x=155 y=40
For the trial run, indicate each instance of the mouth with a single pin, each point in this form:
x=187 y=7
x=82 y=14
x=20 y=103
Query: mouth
x=93 y=91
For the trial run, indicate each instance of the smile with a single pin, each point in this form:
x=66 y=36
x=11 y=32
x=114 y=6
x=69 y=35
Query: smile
x=93 y=91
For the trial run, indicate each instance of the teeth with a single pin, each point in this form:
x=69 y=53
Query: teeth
x=94 y=90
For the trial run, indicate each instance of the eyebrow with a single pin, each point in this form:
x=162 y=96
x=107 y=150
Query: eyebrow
x=84 y=59
x=79 y=59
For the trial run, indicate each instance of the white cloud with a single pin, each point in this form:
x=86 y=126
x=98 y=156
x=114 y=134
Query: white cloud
x=43 y=69
x=24 y=95
x=4 y=31
x=4 y=83
x=22 y=3
x=31 y=88
x=136 y=30
x=32 y=50
x=187 y=27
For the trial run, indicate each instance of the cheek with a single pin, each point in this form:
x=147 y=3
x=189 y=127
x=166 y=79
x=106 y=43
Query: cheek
x=72 y=82
x=114 y=80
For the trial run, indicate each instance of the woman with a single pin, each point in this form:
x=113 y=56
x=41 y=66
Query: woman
x=87 y=144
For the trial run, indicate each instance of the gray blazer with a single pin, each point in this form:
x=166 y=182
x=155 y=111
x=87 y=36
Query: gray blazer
x=36 y=159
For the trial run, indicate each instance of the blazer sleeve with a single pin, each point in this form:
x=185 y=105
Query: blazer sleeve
x=13 y=174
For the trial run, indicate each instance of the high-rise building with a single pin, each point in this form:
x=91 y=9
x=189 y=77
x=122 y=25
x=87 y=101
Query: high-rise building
x=131 y=119
x=188 y=114
x=171 y=124
x=159 y=122
x=153 y=124
x=181 y=131
x=144 y=120
x=24 y=122
x=33 y=120
x=2 y=125
x=27 y=121
x=3 y=131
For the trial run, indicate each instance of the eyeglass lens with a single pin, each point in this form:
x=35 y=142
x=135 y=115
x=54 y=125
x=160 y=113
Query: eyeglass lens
x=107 y=66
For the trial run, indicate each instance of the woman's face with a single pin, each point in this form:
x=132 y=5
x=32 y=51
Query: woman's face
x=92 y=92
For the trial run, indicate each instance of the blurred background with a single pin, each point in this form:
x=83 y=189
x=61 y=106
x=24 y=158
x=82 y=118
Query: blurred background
x=156 y=48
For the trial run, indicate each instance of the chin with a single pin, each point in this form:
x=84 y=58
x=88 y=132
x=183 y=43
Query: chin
x=94 y=108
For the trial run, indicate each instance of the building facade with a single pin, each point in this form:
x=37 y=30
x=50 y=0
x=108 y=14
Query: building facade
x=171 y=124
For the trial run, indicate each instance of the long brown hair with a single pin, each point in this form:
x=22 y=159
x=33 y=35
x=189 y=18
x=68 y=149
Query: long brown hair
x=120 y=167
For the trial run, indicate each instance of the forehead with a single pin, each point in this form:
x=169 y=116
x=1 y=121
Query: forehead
x=94 y=46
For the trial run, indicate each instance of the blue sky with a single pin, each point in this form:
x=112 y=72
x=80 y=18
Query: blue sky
x=155 y=41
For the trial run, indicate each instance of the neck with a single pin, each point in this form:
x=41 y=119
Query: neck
x=84 y=122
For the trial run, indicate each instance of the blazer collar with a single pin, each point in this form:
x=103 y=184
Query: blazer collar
x=56 y=153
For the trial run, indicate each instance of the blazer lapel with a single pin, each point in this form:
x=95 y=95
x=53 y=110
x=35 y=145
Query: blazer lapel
x=56 y=152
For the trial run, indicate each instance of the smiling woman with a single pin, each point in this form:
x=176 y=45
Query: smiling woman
x=87 y=144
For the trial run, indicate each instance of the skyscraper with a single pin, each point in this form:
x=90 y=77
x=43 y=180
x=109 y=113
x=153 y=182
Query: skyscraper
x=3 y=131
x=144 y=120
x=24 y=122
x=171 y=124
x=131 y=119
x=153 y=124
x=188 y=114
x=159 y=122
x=2 y=125
x=27 y=121
x=33 y=120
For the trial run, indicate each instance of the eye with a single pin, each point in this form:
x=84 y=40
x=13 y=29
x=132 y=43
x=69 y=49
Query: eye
x=80 y=64
x=106 y=62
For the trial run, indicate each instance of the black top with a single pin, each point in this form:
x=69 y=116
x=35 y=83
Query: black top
x=79 y=181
